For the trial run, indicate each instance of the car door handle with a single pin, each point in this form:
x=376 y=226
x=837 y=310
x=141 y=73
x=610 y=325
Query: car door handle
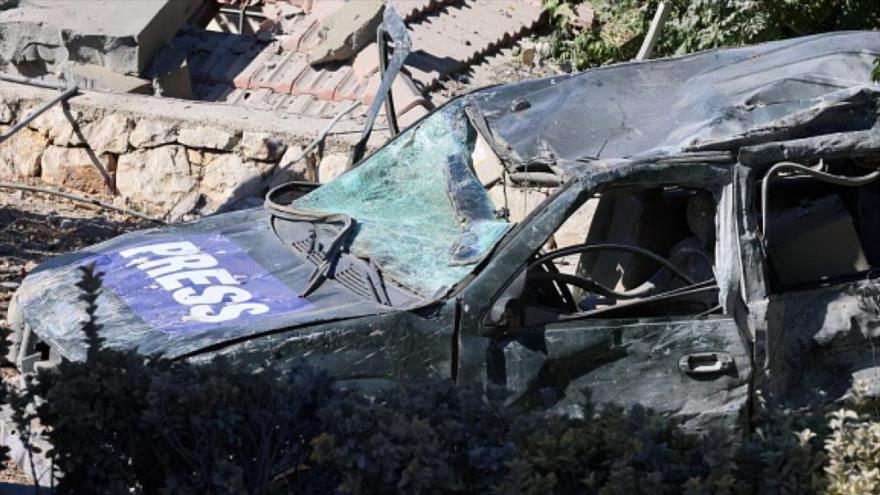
x=705 y=363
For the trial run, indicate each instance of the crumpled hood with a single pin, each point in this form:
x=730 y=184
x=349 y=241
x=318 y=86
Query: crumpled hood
x=177 y=290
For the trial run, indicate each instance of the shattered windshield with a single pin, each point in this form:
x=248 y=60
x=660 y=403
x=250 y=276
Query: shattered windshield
x=420 y=212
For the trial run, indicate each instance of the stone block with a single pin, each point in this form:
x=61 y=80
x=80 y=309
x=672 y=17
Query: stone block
x=261 y=146
x=289 y=171
x=74 y=168
x=109 y=134
x=155 y=179
x=208 y=138
x=40 y=36
x=20 y=155
x=347 y=30
x=7 y=113
x=61 y=125
x=332 y=166
x=91 y=76
x=229 y=179
x=149 y=133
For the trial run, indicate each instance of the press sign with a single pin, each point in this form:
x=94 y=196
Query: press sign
x=195 y=283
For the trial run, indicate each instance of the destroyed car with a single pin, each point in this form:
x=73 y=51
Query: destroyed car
x=678 y=233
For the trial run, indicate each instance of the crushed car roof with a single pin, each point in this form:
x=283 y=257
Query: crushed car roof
x=715 y=100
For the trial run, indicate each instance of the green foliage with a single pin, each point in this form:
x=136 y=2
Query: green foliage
x=695 y=25
x=122 y=423
x=435 y=438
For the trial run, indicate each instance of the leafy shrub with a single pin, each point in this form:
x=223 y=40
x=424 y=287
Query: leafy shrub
x=695 y=25
x=435 y=438
x=122 y=423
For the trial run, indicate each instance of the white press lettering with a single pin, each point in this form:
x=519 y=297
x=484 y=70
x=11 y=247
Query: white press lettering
x=230 y=312
x=212 y=295
x=197 y=277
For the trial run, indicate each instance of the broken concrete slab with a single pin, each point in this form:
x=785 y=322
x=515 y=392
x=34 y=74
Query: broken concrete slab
x=170 y=71
x=155 y=179
x=207 y=137
x=40 y=36
x=75 y=168
x=347 y=30
x=90 y=76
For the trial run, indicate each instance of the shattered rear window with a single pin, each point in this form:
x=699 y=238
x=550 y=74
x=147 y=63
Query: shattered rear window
x=421 y=213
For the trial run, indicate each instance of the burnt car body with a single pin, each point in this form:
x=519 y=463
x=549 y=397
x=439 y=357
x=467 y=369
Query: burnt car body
x=703 y=270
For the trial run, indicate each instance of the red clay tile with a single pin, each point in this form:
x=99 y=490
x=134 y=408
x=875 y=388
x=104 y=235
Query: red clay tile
x=366 y=62
x=311 y=39
x=293 y=68
x=325 y=87
x=349 y=89
x=409 y=117
x=305 y=81
x=370 y=89
x=295 y=30
x=405 y=94
x=249 y=76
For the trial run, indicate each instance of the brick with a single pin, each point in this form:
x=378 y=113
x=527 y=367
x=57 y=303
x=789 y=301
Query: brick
x=300 y=104
x=246 y=79
x=272 y=67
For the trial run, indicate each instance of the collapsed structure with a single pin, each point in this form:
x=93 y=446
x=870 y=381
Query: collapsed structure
x=260 y=80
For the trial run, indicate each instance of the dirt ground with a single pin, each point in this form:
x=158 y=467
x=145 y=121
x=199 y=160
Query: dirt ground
x=34 y=227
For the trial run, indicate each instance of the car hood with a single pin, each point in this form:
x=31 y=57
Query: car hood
x=167 y=291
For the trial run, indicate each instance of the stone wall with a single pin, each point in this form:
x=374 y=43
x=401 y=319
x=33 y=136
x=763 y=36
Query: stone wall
x=164 y=156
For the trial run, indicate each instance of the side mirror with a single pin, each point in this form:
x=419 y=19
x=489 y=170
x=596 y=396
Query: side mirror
x=506 y=311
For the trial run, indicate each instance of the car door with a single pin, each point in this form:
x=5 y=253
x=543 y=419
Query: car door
x=695 y=367
x=678 y=352
x=822 y=270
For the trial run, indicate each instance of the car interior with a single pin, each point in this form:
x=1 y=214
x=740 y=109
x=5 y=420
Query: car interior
x=817 y=232
x=647 y=252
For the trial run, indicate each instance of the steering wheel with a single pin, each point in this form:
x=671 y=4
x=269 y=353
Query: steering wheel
x=563 y=280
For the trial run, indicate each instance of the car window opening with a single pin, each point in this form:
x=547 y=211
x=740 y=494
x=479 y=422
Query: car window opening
x=639 y=252
x=818 y=232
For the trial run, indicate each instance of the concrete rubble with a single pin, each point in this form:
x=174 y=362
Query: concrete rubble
x=252 y=101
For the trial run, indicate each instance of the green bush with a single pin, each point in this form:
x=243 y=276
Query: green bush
x=122 y=423
x=695 y=25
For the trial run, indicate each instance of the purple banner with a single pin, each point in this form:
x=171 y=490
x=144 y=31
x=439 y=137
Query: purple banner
x=195 y=283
